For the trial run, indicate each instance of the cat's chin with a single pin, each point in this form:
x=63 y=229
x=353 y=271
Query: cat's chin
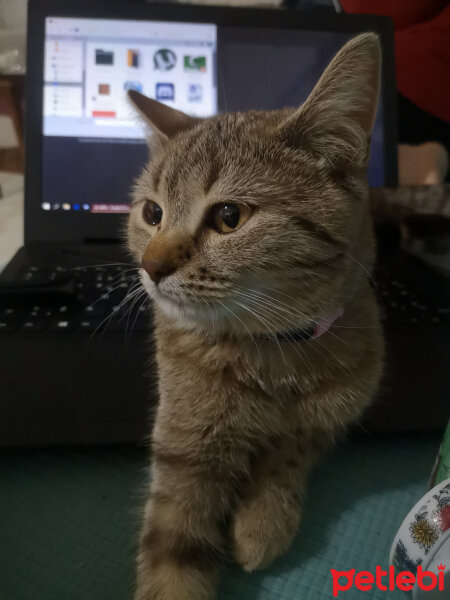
x=188 y=314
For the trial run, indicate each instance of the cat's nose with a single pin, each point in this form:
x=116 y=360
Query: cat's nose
x=157 y=269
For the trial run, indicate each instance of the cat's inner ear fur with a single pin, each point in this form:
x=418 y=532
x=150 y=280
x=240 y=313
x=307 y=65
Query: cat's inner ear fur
x=162 y=119
x=336 y=120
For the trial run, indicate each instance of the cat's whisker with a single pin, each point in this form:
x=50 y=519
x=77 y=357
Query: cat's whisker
x=142 y=304
x=105 y=291
x=113 y=313
x=122 y=275
x=211 y=314
x=295 y=310
x=217 y=317
x=315 y=342
x=242 y=323
x=114 y=285
x=333 y=326
x=108 y=317
x=280 y=304
x=106 y=320
x=137 y=286
x=287 y=334
x=254 y=294
x=264 y=322
x=96 y=266
x=292 y=310
x=275 y=315
x=366 y=271
x=137 y=296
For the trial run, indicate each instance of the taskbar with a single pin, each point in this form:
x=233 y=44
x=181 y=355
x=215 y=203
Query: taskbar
x=98 y=208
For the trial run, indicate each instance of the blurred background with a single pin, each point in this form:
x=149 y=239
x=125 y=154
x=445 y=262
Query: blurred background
x=74 y=404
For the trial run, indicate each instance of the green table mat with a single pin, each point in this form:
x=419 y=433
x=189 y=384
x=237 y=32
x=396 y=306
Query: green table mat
x=69 y=522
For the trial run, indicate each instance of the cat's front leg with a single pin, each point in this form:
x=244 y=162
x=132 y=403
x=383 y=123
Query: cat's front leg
x=182 y=539
x=267 y=519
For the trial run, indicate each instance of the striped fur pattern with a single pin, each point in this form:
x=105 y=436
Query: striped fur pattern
x=243 y=417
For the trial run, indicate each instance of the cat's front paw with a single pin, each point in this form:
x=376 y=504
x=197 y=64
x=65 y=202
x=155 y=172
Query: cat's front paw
x=169 y=582
x=174 y=591
x=262 y=530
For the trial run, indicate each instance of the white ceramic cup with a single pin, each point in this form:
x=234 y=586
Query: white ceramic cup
x=424 y=539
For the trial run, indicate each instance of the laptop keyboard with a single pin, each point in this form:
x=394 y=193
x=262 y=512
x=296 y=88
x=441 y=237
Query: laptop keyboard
x=100 y=303
x=101 y=293
x=402 y=303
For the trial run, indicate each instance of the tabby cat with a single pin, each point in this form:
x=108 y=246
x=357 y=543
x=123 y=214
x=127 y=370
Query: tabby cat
x=255 y=241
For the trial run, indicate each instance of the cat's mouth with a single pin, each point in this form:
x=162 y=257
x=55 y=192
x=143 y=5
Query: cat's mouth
x=170 y=300
x=161 y=295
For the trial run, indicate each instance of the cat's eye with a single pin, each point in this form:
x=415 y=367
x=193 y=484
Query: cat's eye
x=152 y=213
x=228 y=216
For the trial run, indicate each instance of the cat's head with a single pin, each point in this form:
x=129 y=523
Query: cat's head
x=259 y=221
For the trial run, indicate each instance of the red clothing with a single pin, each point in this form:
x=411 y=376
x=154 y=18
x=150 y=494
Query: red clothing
x=422 y=48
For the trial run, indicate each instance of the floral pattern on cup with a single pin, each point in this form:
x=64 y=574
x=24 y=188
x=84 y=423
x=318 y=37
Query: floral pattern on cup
x=441 y=516
x=424 y=532
x=402 y=561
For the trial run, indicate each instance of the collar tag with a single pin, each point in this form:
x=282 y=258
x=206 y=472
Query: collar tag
x=303 y=335
x=324 y=325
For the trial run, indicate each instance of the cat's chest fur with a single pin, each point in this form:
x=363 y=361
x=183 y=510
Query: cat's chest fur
x=257 y=384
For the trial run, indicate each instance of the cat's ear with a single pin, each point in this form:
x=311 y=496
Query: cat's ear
x=162 y=119
x=336 y=120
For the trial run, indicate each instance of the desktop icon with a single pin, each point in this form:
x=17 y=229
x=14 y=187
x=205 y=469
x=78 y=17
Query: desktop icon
x=195 y=92
x=164 y=59
x=86 y=206
x=165 y=91
x=103 y=57
x=133 y=58
x=76 y=206
x=66 y=206
x=104 y=89
x=133 y=85
x=194 y=63
x=46 y=205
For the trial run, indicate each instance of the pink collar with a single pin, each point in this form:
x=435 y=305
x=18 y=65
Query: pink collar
x=324 y=325
x=310 y=333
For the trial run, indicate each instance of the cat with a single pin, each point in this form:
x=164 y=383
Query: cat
x=255 y=243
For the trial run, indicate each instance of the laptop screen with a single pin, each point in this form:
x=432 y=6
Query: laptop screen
x=93 y=143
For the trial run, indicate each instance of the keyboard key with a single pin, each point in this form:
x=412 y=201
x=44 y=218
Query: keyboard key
x=59 y=275
x=9 y=313
x=94 y=310
x=35 y=325
x=7 y=326
x=63 y=325
x=34 y=274
x=100 y=290
x=89 y=324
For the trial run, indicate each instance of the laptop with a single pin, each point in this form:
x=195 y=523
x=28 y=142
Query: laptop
x=75 y=355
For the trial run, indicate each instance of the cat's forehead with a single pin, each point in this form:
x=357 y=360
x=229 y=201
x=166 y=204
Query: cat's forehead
x=220 y=160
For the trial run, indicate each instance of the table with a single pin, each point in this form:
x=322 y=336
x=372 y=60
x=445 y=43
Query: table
x=69 y=521
x=11 y=226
